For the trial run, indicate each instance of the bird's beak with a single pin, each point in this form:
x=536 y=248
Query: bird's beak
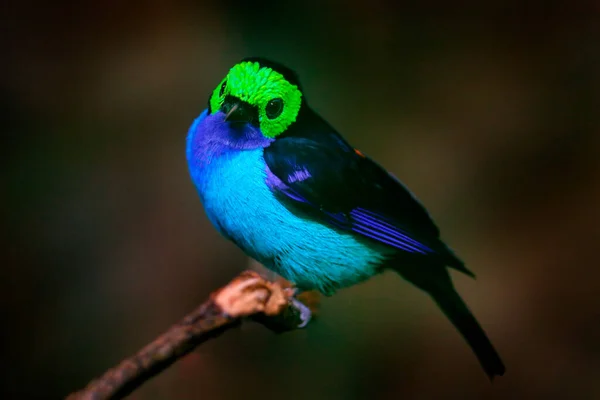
x=239 y=112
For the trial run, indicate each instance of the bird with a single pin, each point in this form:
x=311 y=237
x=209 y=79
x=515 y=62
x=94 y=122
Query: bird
x=276 y=179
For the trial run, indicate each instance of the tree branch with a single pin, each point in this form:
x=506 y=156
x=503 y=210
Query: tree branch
x=248 y=295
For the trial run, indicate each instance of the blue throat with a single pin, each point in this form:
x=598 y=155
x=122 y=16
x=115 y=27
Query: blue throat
x=234 y=184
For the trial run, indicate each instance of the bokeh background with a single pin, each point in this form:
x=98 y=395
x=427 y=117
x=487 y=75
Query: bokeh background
x=490 y=113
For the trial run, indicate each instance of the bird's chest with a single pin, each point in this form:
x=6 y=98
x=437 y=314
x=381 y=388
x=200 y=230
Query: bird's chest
x=239 y=203
x=241 y=206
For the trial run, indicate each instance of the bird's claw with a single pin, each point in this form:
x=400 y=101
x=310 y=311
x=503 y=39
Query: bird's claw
x=305 y=313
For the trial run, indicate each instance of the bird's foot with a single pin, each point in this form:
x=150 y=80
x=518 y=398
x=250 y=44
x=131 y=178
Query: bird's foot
x=305 y=313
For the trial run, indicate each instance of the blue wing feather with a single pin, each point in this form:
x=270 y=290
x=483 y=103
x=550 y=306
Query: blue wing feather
x=372 y=225
x=351 y=192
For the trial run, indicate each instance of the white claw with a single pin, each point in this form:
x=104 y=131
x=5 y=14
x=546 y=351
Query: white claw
x=305 y=313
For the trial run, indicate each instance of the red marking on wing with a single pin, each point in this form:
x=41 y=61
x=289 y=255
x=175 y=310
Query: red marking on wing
x=359 y=153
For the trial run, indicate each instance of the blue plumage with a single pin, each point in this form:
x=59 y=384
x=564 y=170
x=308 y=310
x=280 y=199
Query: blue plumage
x=234 y=191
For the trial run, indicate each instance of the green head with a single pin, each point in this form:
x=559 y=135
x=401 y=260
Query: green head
x=260 y=92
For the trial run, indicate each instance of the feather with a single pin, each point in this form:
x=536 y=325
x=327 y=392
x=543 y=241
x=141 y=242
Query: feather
x=341 y=187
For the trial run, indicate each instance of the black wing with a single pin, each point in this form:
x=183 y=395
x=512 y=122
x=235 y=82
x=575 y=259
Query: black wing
x=345 y=189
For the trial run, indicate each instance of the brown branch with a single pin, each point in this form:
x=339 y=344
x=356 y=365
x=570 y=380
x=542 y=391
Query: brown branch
x=248 y=295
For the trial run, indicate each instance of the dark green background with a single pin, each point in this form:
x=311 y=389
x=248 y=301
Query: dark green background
x=489 y=113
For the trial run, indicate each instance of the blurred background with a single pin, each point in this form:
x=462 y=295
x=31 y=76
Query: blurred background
x=489 y=113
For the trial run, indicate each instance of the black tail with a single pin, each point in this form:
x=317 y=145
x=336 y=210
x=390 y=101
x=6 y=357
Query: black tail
x=457 y=311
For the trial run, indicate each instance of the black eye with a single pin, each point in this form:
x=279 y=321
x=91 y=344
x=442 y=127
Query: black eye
x=222 y=91
x=274 y=108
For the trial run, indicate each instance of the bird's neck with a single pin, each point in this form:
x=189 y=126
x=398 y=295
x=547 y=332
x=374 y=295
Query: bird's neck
x=210 y=137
